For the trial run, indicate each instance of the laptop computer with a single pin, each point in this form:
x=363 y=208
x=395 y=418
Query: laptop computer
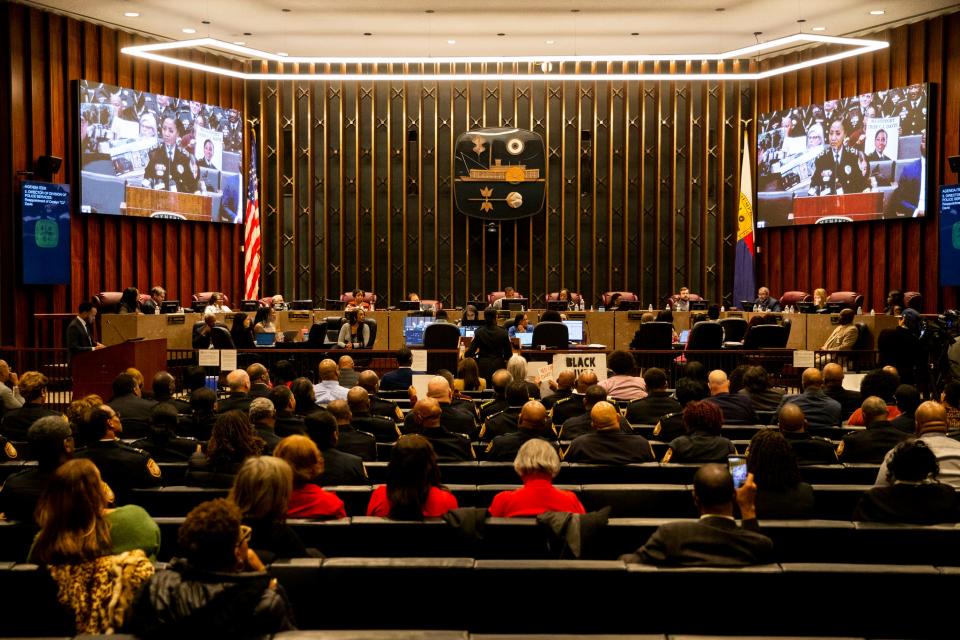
x=684 y=336
x=467 y=331
x=265 y=339
x=526 y=339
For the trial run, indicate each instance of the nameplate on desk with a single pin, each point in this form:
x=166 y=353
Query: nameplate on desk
x=576 y=315
x=734 y=314
x=176 y=318
x=298 y=315
x=636 y=315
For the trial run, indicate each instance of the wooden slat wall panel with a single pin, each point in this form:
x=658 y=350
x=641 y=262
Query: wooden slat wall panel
x=874 y=257
x=44 y=55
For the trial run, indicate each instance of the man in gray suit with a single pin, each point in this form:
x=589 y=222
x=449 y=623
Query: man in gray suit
x=715 y=540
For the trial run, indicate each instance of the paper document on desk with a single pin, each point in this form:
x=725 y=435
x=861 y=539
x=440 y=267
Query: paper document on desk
x=209 y=357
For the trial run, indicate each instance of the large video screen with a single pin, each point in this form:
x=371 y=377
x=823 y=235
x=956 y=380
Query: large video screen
x=147 y=154
x=846 y=160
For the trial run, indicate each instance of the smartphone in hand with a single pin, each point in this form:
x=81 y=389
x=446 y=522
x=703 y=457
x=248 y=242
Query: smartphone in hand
x=738 y=469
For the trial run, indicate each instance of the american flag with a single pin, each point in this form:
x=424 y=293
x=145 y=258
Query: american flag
x=251 y=239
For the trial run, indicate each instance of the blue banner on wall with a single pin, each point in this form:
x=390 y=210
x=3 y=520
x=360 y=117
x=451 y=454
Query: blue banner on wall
x=949 y=235
x=46 y=233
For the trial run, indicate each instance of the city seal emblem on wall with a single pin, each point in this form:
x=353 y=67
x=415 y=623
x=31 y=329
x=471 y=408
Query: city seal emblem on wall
x=499 y=174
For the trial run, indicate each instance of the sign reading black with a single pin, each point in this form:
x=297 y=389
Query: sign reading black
x=499 y=174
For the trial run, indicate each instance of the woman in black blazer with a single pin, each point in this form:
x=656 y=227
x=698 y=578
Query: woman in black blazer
x=490 y=346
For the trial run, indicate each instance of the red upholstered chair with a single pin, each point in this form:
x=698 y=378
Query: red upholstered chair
x=143 y=298
x=625 y=296
x=496 y=295
x=266 y=302
x=793 y=297
x=693 y=298
x=851 y=299
x=913 y=300
x=369 y=298
x=204 y=297
x=108 y=301
x=574 y=297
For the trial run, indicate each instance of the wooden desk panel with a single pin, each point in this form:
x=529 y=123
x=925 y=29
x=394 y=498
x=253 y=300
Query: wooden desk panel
x=146 y=202
x=820 y=326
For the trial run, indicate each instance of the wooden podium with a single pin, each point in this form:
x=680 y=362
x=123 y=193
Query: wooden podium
x=145 y=202
x=94 y=371
x=856 y=206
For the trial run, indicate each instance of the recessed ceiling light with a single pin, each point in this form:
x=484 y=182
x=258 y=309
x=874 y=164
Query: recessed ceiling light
x=204 y=22
x=285 y=10
x=282 y=53
x=719 y=9
x=818 y=29
x=188 y=30
x=501 y=34
x=367 y=33
x=801 y=20
x=635 y=33
x=132 y=14
x=239 y=43
x=551 y=41
x=451 y=42
x=878 y=12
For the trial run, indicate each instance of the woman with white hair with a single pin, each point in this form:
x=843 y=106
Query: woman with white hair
x=537 y=464
x=517 y=366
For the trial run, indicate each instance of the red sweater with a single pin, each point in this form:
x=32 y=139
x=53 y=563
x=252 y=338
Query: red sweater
x=438 y=503
x=310 y=501
x=537 y=496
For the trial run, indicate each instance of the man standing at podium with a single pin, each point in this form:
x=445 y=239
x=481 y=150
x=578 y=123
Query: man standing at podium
x=837 y=171
x=80 y=330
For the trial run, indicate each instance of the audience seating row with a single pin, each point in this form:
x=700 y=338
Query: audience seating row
x=594 y=597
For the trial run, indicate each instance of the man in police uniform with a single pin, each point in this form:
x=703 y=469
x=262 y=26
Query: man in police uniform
x=531 y=424
x=581 y=424
x=607 y=444
x=427 y=417
x=383 y=429
x=455 y=418
x=500 y=379
x=121 y=466
x=573 y=406
x=378 y=406
x=51 y=443
x=837 y=170
x=506 y=421
x=913 y=111
x=565 y=381
x=359 y=443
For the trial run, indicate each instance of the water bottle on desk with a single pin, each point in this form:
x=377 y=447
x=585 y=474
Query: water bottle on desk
x=649 y=307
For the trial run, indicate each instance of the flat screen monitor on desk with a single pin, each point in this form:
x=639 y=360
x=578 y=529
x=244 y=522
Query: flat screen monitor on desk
x=514 y=304
x=414 y=328
x=574 y=331
x=479 y=305
x=265 y=339
x=698 y=305
x=409 y=305
x=684 y=336
x=836 y=307
x=468 y=331
x=526 y=339
x=806 y=307
x=558 y=305
x=170 y=306
x=628 y=305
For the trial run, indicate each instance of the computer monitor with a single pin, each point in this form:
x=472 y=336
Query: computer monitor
x=684 y=336
x=479 y=305
x=170 y=306
x=265 y=339
x=468 y=330
x=471 y=323
x=698 y=305
x=628 y=305
x=198 y=306
x=301 y=305
x=574 y=330
x=514 y=304
x=806 y=307
x=558 y=305
x=836 y=307
x=249 y=305
x=408 y=305
x=414 y=328
x=746 y=305
x=526 y=339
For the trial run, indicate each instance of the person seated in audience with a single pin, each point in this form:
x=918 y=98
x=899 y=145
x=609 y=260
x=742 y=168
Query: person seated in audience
x=328 y=389
x=194 y=378
x=459 y=417
x=517 y=366
x=383 y=429
x=607 y=443
x=517 y=395
x=97 y=556
x=286 y=422
x=259 y=381
x=339 y=467
x=756 y=387
x=907 y=398
x=671 y=425
x=521 y=324
x=232 y=441
x=715 y=540
x=358 y=301
x=217 y=587
x=354 y=333
x=152 y=306
x=666 y=315
x=426 y=418
x=882 y=383
x=129 y=301
x=703 y=442
x=623 y=385
x=51 y=444
x=305 y=396
x=658 y=402
x=266 y=320
x=370 y=381
x=531 y=423
x=238 y=399
x=833 y=388
x=122 y=466
x=950 y=399
x=164 y=387
x=931 y=421
x=537 y=464
x=282 y=373
x=241 y=330
x=736 y=409
x=413 y=490
x=468 y=376
x=77 y=409
x=263 y=418
x=845 y=335
x=10 y=397
x=582 y=424
x=346 y=372
x=873 y=443
x=262 y=490
x=809 y=449
x=203 y=414
x=780 y=492
x=499 y=381
x=33 y=389
x=913 y=494
x=307 y=500
x=400 y=378
x=565 y=382
x=163 y=444
x=764 y=302
x=821 y=411
x=359 y=443
x=457 y=402
x=820 y=300
x=215 y=304
x=210 y=333
x=129 y=404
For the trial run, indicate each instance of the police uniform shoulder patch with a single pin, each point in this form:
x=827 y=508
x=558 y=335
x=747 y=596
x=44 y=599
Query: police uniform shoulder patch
x=657 y=429
x=153 y=468
x=10 y=450
x=840 y=448
x=488 y=402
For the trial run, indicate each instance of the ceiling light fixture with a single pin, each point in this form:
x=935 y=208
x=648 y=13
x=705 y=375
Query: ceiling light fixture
x=818 y=29
x=550 y=41
x=877 y=12
x=451 y=42
x=158 y=52
x=131 y=14
x=239 y=43
x=283 y=54
x=188 y=30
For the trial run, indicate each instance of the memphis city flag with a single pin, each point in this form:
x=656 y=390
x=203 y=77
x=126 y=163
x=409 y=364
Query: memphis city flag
x=251 y=236
x=744 y=285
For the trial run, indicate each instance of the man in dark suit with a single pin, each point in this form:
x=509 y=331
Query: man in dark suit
x=259 y=380
x=455 y=418
x=133 y=409
x=764 y=302
x=872 y=444
x=263 y=417
x=607 y=443
x=168 y=166
x=339 y=467
x=837 y=170
x=573 y=406
x=908 y=399
x=583 y=424
x=370 y=381
x=80 y=330
x=658 y=402
x=449 y=446
x=239 y=397
x=383 y=429
x=531 y=424
x=736 y=408
x=152 y=305
x=809 y=449
x=500 y=379
x=122 y=467
x=51 y=444
x=288 y=423
x=833 y=388
x=821 y=411
x=506 y=421
x=209 y=333
x=400 y=378
x=164 y=386
x=715 y=539
x=913 y=111
x=565 y=381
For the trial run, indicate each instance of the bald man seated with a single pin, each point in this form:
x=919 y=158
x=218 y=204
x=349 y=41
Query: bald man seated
x=500 y=379
x=454 y=418
x=532 y=423
x=579 y=425
x=715 y=540
x=370 y=381
x=383 y=429
x=328 y=389
x=359 y=443
x=566 y=379
x=736 y=408
x=833 y=387
x=820 y=410
x=427 y=421
x=808 y=448
x=607 y=444
x=348 y=375
x=872 y=444
x=238 y=382
x=259 y=380
x=931 y=424
x=570 y=407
